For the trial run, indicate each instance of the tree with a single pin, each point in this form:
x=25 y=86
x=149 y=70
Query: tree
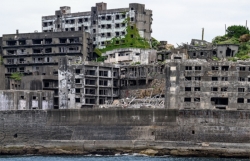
x=236 y=31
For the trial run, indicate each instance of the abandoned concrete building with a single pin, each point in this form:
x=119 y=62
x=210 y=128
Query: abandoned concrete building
x=201 y=84
x=127 y=56
x=26 y=100
x=28 y=52
x=37 y=54
x=86 y=84
x=103 y=24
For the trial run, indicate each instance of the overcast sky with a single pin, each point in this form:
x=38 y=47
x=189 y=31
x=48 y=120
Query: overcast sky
x=175 y=21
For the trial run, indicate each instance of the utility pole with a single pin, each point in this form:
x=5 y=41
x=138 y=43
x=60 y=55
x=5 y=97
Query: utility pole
x=202 y=37
x=225 y=29
x=246 y=23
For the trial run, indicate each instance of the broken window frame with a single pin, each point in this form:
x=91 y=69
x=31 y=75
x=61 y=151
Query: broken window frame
x=188 y=68
x=241 y=90
x=240 y=100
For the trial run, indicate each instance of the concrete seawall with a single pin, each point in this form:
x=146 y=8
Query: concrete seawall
x=110 y=131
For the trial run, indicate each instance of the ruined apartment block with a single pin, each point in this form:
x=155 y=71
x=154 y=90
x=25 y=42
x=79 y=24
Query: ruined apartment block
x=86 y=84
x=127 y=56
x=201 y=84
x=26 y=100
x=103 y=24
x=36 y=56
x=201 y=49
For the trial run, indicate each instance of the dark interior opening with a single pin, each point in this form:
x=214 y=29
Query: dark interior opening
x=219 y=101
x=229 y=52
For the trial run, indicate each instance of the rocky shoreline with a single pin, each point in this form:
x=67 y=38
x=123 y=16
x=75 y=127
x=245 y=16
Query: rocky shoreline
x=79 y=150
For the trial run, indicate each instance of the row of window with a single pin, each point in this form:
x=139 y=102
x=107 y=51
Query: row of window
x=41 y=41
x=216 y=68
x=222 y=89
x=241 y=79
x=197 y=99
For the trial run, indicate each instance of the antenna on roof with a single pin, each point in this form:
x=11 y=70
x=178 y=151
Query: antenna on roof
x=246 y=23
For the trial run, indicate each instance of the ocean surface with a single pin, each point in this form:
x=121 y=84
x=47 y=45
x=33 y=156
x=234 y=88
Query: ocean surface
x=111 y=158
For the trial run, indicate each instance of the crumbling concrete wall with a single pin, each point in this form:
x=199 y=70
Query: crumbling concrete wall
x=26 y=100
x=126 y=56
x=154 y=88
x=2 y=77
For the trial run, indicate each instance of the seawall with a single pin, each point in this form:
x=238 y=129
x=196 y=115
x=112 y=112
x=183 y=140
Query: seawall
x=109 y=131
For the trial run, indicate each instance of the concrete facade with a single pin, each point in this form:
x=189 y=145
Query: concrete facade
x=103 y=24
x=127 y=56
x=26 y=100
x=201 y=84
x=27 y=53
x=86 y=84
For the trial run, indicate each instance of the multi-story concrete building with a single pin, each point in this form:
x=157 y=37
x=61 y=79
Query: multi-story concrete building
x=201 y=84
x=28 y=53
x=103 y=24
x=37 y=54
x=86 y=84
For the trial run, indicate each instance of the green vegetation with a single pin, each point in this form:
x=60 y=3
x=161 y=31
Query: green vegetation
x=136 y=63
x=237 y=31
x=131 y=39
x=238 y=35
x=154 y=43
x=101 y=59
x=215 y=58
x=16 y=76
x=1 y=60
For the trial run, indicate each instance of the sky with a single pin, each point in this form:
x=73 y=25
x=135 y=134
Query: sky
x=175 y=21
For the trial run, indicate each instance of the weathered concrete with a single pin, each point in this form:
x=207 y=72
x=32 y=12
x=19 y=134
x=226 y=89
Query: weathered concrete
x=184 y=132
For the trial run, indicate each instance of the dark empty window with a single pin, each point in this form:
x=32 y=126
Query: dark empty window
x=241 y=79
x=240 y=100
x=242 y=68
x=202 y=53
x=215 y=68
x=214 y=89
x=78 y=90
x=187 y=88
x=188 y=78
x=215 y=79
x=194 y=54
x=78 y=100
x=34 y=97
x=77 y=80
x=248 y=100
x=197 y=67
x=132 y=18
x=187 y=99
x=197 y=99
x=225 y=68
x=241 y=89
x=188 y=67
x=78 y=71
x=224 y=89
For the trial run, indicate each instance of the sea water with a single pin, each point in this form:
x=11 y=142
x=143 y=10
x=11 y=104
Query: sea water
x=111 y=158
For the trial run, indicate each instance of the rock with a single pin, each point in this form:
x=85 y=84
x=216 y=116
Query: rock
x=149 y=152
